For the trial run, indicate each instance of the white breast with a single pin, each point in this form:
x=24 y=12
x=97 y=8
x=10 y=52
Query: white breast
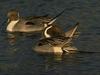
x=11 y=25
x=45 y=32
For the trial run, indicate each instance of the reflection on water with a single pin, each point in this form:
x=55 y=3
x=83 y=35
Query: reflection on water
x=12 y=41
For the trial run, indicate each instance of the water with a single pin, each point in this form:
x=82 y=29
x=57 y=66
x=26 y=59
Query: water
x=18 y=58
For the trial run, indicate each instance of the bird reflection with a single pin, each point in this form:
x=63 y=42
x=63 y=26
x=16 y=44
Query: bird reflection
x=11 y=38
x=52 y=62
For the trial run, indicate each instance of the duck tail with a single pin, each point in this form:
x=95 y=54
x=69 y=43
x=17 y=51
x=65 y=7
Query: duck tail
x=54 y=19
x=72 y=31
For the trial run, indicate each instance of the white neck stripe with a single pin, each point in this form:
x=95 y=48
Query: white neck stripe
x=11 y=25
x=45 y=32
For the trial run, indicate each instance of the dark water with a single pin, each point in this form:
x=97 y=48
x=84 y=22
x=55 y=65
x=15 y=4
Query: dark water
x=18 y=58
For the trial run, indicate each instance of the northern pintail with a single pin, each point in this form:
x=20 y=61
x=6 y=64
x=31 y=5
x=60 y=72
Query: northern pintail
x=18 y=24
x=56 y=44
x=35 y=24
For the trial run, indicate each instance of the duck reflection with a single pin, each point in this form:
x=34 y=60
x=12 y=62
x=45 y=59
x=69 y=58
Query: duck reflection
x=11 y=38
x=54 y=63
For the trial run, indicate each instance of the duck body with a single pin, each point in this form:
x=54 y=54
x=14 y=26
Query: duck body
x=29 y=27
x=26 y=26
x=55 y=45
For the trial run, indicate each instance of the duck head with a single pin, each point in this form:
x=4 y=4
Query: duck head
x=13 y=19
x=13 y=15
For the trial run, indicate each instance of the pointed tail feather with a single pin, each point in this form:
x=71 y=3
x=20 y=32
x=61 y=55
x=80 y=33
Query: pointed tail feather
x=70 y=33
x=54 y=19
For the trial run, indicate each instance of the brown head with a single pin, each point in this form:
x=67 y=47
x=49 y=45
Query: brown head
x=13 y=15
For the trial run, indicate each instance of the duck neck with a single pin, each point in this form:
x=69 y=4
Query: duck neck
x=46 y=32
x=11 y=25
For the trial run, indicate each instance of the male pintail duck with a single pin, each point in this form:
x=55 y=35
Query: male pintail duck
x=18 y=24
x=56 y=43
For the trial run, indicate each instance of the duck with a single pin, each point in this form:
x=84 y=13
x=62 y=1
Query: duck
x=17 y=24
x=56 y=42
